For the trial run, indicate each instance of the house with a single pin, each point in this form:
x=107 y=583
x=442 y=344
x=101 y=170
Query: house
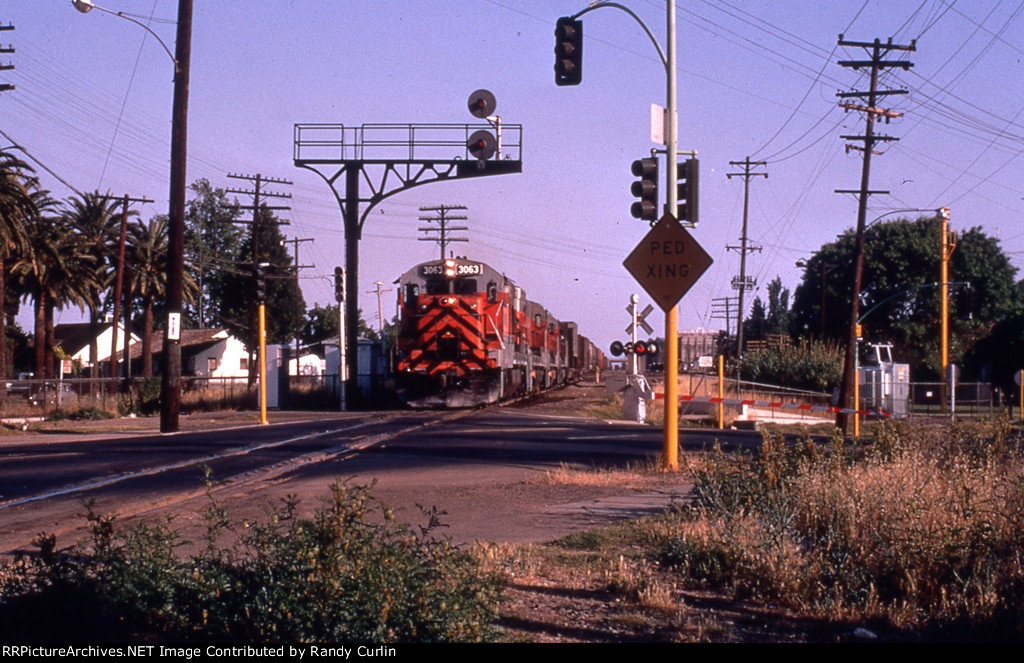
x=212 y=353
x=207 y=353
x=73 y=341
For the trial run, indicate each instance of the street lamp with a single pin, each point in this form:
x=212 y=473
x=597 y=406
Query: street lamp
x=170 y=383
x=849 y=383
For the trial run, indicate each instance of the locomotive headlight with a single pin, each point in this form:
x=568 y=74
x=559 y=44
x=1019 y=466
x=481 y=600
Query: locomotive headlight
x=449 y=268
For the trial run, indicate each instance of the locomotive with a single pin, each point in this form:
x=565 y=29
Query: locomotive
x=468 y=336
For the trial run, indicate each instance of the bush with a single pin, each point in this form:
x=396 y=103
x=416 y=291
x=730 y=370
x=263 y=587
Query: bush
x=808 y=365
x=920 y=527
x=347 y=574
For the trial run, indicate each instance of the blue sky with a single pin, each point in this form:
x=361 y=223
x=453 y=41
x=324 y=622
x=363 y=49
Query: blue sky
x=93 y=98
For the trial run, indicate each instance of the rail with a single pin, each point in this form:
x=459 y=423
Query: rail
x=337 y=143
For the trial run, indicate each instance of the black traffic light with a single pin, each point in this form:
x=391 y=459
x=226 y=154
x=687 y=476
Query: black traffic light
x=688 y=173
x=339 y=284
x=261 y=284
x=568 y=51
x=646 y=189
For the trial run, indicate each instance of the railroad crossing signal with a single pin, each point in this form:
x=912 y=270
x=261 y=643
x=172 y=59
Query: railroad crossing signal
x=667 y=262
x=641 y=319
x=640 y=348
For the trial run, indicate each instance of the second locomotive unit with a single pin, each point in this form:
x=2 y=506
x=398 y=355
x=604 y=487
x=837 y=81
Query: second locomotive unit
x=468 y=336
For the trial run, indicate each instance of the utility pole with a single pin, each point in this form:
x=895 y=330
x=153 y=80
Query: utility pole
x=722 y=308
x=4 y=87
x=118 y=281
x=380 y=303
x=743 y=283
x=257 y=192
x=298 y=300
x=443 y=229
x=877 y=51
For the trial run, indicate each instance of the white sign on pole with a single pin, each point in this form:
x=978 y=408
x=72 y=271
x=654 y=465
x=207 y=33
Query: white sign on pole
x=174 y=326
x=657 y=124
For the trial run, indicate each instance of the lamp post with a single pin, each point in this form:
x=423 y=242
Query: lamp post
x=170 y=385
x=849 y=383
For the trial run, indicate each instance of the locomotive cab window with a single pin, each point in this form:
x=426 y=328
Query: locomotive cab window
x=492 y=292
x=465 y=286
x=412 y=293
x=437 y=287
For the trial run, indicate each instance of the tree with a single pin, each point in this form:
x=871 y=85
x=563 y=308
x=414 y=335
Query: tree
x=212 y=244
x=321 y=324
x=16 y=206
x=96 y=219
x=773 y=321
x=56 y=271
x=235 y=293
x=901 y=270
x=148 y=257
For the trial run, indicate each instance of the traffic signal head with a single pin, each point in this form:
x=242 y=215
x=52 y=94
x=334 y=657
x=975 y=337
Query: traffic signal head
x=261 y=284
x=568 y=51
x=646 y=189
x=688 y=173
x=339 y=284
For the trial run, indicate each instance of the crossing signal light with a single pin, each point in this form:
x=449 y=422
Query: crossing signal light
x=568 y=51
x=646 y=189
x=688 y=183
x=618 y=349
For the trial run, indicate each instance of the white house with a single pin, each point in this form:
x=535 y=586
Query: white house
x=73 y=340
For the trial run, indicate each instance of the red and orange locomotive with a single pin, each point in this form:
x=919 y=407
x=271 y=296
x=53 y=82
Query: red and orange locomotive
x=468 y=336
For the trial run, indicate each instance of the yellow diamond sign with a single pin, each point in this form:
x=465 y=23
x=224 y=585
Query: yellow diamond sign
x=667 y=262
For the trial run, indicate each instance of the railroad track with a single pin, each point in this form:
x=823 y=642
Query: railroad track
x=43 y=482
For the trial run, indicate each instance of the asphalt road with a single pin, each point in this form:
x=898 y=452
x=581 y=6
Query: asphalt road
x=483 y=469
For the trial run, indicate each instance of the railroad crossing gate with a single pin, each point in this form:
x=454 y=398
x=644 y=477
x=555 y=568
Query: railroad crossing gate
x=667 y=262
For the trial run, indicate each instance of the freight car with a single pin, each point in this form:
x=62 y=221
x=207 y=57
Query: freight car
x=469 y=336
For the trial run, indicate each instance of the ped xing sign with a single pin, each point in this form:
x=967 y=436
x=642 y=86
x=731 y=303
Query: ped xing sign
x=667 y=262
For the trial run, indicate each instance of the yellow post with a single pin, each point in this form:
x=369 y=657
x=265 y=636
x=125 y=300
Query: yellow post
x=856 y=386
x=948 y=245
x=670 y=433
x=721 y=391
x=263 y=363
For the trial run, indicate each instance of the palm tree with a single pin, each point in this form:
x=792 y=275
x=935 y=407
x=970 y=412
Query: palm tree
x=16 y=205
x=147 y=254
x=96 y=219
x=57 y=270
x=148 y=257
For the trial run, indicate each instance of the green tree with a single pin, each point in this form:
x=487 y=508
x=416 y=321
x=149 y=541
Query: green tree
x=321 y=324
x=901 y=270
x=57 y=271
x=212 y=245
x=96 y=220
x=148 y=256
x=16 y=206
x=236 y=289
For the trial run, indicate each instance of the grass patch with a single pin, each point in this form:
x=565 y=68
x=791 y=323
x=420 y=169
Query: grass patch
x=632 y=475
x=918 y=528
